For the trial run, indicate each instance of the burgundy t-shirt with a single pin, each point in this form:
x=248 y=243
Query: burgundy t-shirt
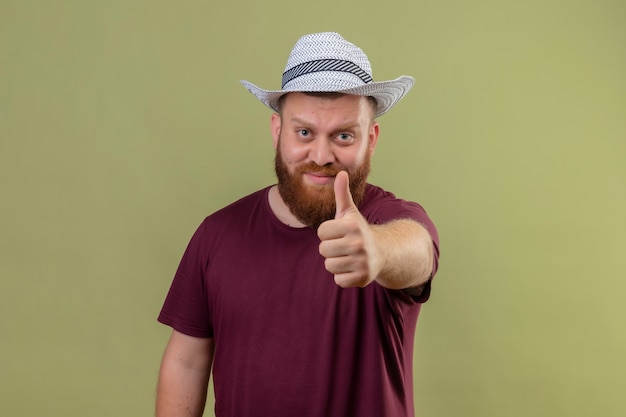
x=289 y=341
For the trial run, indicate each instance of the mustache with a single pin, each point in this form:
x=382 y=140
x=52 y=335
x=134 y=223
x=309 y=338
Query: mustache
x=331 y=170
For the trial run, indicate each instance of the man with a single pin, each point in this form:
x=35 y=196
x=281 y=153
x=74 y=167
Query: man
x=302 y=298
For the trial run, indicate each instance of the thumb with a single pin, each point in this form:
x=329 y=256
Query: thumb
x=343 y=197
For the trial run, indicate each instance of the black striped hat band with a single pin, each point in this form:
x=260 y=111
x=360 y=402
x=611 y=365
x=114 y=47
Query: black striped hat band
x=326 y=65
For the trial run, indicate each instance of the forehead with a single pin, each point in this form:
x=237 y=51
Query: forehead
x=326 y=102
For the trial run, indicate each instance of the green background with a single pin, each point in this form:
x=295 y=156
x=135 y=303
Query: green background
x=122 y=124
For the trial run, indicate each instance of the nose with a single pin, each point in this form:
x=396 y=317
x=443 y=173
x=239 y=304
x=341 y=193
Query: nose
x=321 y=152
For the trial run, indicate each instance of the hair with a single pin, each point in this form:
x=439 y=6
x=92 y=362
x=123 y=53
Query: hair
x=329 y=94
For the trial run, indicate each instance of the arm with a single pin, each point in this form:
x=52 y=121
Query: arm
x=397 y=255
x=405 y=252
x=184 y=376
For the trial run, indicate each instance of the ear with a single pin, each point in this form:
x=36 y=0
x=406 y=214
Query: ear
x=276 y=125
x=373 y=137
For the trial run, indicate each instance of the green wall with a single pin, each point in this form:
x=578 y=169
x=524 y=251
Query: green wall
x=122 y=124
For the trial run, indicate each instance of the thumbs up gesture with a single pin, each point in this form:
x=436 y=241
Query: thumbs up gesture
x=347 y=241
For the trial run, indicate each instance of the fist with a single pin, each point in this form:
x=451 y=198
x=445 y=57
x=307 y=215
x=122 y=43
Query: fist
x=347 y=242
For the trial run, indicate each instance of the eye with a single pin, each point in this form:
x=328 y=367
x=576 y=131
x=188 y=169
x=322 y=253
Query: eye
x=304 y=133
x=345 y=138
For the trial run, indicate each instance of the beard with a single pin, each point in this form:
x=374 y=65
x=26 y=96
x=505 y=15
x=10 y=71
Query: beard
x=314 y=204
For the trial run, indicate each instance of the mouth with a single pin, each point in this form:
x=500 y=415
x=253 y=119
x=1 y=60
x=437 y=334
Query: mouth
x=319 y=178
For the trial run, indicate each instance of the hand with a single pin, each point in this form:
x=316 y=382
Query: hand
x=347 y=241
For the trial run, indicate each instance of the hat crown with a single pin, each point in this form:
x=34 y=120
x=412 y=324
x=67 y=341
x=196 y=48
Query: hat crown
x=326 y=51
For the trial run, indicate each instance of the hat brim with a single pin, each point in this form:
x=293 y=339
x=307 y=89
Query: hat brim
x=386 y=93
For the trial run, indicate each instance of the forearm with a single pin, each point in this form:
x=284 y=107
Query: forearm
x=405 y=254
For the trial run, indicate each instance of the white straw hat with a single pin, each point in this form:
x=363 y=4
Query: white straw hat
x=326 y=62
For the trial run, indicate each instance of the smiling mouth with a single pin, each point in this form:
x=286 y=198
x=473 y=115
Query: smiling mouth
x=319 y=178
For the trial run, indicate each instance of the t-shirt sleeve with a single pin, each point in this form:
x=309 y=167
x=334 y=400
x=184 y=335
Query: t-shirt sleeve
x=185 y=308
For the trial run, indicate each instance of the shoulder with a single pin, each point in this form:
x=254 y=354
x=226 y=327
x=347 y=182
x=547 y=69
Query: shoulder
x=380 y=206
x=245 y=205
x=234 y=216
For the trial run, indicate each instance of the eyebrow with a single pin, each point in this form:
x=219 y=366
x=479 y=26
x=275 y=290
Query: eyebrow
x=350 y=125
x=298 y=121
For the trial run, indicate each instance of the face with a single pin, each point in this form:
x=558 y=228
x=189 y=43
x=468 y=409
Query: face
x=316 y=137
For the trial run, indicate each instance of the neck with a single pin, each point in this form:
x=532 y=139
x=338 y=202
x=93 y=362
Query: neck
x=280 y=209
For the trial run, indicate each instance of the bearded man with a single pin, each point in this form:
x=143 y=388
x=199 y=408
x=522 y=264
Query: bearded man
x=302 y=298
